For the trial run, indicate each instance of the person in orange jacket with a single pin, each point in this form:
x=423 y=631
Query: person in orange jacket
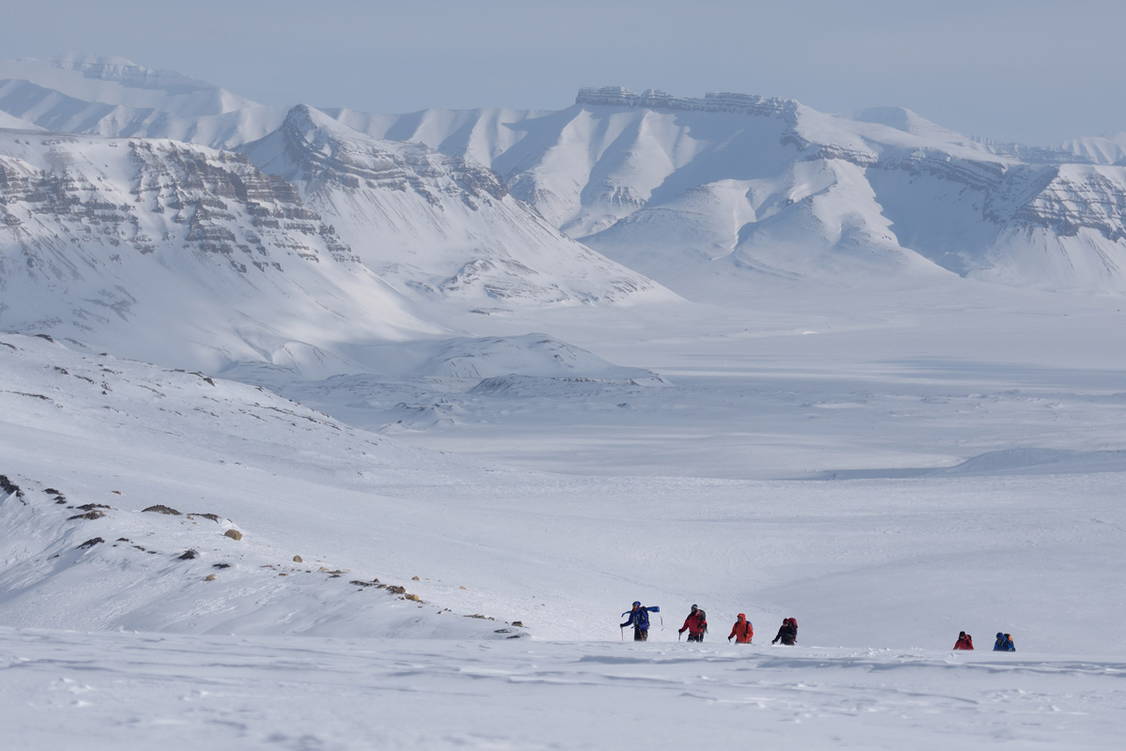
x=743 y=631
x=965 y=641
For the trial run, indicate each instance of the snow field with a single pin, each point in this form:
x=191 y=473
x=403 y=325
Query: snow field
x=177 y=692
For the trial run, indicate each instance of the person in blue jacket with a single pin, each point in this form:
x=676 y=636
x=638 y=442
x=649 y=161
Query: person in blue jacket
x=1004 y=643
x=639 y=619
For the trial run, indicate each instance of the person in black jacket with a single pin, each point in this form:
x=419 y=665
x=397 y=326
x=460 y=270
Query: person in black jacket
x=788 y=633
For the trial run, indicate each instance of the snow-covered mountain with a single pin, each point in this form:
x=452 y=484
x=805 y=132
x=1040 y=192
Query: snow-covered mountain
x=729 y=187
x=720 y=191
x=441 y=226
x=112 y=96
x=1099 y=149
x=179 y=254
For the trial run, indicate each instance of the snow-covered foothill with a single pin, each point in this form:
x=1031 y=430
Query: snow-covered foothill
x=142 y=498
x=10 y=122
x=528 y=355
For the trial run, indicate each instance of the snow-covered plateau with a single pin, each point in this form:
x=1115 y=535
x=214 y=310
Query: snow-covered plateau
x=330 y=430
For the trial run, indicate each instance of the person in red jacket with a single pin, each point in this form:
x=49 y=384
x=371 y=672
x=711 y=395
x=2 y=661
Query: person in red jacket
x=743 y=631
x=965 y=641
x=696 y=624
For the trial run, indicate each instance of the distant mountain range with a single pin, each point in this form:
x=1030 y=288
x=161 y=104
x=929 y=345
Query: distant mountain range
x=129 y=195
x=312 y=240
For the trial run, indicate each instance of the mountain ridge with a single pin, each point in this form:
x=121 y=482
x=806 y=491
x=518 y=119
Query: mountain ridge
x=690 y=190
x=440 y=226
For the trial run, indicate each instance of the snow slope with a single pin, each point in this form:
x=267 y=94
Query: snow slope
x=1024 y=541
x=179 y=254
x=80 y=551
x=653 y=496
x=437 y=225
x=9 y=122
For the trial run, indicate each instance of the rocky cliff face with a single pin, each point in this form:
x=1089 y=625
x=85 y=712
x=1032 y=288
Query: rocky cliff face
x=132 y=239
x=437 y=226
x=213 y=203
x=726 y=101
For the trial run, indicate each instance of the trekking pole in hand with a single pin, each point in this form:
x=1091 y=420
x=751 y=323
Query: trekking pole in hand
x=622 y=632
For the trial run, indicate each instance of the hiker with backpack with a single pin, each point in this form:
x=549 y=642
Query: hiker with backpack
x=639 y=619
x=1004 y=643
x=965 y=641
x=696 y=624
x=743 y=630
x=788 y=633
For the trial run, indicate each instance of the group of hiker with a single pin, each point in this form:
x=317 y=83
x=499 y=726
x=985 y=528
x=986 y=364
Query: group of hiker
x=696 y=625
x=1003 y=642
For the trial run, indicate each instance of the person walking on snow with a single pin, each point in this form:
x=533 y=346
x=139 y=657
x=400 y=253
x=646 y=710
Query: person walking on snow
x=743 y=631
x=788 y=633
x=639 y=619
x=696 y=624
x=1004 y=643
x=965 y=641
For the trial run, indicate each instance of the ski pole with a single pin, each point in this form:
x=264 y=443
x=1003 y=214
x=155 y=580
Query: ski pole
x=622 y=632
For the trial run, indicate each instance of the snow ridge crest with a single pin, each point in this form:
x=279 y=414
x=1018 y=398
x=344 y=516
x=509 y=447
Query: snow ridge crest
x=712 y=101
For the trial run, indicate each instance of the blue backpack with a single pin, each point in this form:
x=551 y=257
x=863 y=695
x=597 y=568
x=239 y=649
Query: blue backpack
x=641 y=618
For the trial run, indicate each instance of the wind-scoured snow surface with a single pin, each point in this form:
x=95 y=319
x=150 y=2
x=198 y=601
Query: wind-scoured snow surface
x=173 y=692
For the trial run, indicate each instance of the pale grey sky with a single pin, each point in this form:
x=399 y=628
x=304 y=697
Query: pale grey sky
x=1034 y=70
